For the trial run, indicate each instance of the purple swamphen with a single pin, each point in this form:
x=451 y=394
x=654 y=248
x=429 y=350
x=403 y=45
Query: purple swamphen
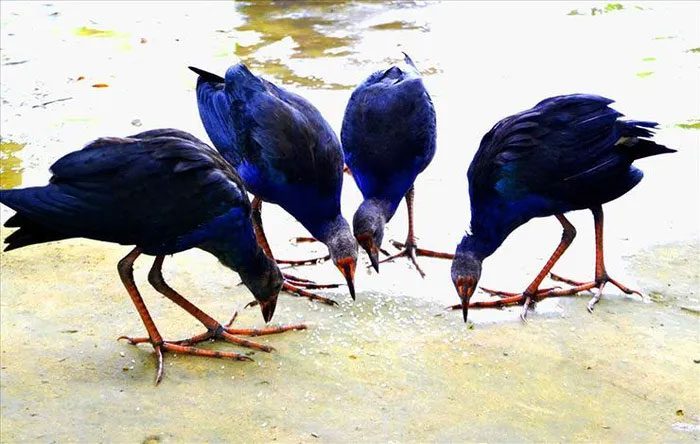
x=388 y=139
x=286 y=153
x=567 y=153
x=163 y=191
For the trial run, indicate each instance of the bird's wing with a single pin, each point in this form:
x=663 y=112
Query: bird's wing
x=135 y=191
x=542 y=149
x=285 y=138
x=272 y=137
x=215 y=107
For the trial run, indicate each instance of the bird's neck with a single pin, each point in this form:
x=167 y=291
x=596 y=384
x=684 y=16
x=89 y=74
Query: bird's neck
x=234 y=243
x=379 y=207
x=327 y=229
x=478 y=246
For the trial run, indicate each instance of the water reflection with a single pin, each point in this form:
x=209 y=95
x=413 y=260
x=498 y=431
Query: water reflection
x=288 y=30
x=10 y=165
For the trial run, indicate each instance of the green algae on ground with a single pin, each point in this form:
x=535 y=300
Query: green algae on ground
x=644 y=74
x=649 y=59
x=694 y=50
x=10 y=165
x=691 y=124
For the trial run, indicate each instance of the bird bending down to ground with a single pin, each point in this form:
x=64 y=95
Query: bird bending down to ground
x=286 y=153
x=567 y=153
x=388 y=139
x=163 y=191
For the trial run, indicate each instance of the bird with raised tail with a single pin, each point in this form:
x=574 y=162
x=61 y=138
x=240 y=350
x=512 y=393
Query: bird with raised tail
x=567 y=153
x=388 y=138
x=286 y=153
x=163 y=191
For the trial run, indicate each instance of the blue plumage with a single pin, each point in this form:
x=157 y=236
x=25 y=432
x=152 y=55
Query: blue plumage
x=389 y=133
x=283 y=149
x=566 y=153
x=388 y=139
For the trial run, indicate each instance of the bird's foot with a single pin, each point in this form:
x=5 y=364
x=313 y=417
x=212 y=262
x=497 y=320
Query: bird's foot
x=295 y=290
x=595 y=286
x=407 y=250
x=271 y=330
x=506 y=299
x=422 y=251
x=505 y=294
x=411 y=251
x=301 y=262
x=175 y=347
x=220 y=333
x=528 y=301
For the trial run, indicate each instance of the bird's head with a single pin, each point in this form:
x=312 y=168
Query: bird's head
x=466 y=271
x=343 y=250
x=265 y=284
x=368 y=226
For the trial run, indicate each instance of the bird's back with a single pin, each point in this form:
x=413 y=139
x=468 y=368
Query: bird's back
x=388 y=132
x=566 y=153
x=152 y=189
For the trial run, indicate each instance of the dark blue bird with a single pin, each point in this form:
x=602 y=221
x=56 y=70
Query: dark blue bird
x=163 y=191
x=388 y=139
x=285 y=152
x=567 y=153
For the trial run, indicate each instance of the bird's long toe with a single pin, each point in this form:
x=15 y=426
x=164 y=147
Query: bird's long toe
x=301 y=262
x=542 y=292
x=272 y=330
x=423 y=251
x=183 y=348
x=295 y=290
x=408 y=252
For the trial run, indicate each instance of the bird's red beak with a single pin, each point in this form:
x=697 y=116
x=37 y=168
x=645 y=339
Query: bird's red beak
x=465 y=289
x=268 y=309
x=367 y=243
x=346 y=266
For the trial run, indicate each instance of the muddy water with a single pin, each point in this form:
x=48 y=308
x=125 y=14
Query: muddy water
x=394 y=365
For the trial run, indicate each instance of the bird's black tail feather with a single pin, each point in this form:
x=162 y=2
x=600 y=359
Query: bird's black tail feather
x=645 y=148
x=636 y=139
x=206 y=76
x=28 y=232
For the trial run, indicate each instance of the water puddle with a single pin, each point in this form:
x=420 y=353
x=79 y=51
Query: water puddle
x=10 y=165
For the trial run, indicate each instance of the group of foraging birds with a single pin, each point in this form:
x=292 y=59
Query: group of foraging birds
x=566 y=153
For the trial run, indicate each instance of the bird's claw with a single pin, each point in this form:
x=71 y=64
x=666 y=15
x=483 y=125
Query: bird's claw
x=176 y=347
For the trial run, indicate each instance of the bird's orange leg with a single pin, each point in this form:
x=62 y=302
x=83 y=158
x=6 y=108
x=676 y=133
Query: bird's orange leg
x=126 y=273
x=214 y=328
x=409 y=248
x=601 y=275
x=292 y=284
x=532 y=293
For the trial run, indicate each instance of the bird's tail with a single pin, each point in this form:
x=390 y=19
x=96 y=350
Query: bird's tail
x=636 y=141
x=408 y=60
x=29 y=232
x=206 y=76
